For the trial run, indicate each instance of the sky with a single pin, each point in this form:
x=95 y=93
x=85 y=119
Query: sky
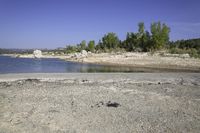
x=57 y=23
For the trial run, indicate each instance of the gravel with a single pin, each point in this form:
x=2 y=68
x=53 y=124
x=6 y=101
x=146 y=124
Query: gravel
x=96 y=103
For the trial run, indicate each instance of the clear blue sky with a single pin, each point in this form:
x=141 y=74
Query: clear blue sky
x=55 y=23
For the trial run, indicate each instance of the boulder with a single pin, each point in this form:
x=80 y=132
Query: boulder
x=89 y=52
x=84 y=53
x=37 y=53
x=80 y=55
x=77 y=55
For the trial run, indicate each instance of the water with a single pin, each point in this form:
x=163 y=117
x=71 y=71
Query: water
x=26 y=65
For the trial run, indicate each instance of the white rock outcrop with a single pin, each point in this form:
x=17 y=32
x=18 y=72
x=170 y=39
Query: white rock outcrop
x=37 y=53
x=84 y=53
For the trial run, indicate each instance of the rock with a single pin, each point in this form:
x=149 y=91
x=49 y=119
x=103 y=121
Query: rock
x=84 y=53
x=17 y=56
x=81 y=55
x=177 y=55
x=89 y=52
x=37 y=54
x=185 y=56
x=78 y=55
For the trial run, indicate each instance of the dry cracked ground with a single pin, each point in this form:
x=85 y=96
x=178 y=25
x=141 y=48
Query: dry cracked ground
x=97 y=103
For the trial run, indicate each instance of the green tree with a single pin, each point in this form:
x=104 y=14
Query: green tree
x=160 y=35
x=137 y=41
x=83 y=45
x=71 y=49
x=131 y=42
x=141 y=28
x=99 y=46
x=142 y=36
x=91 y=46
x=110 y=40
x=146 y=42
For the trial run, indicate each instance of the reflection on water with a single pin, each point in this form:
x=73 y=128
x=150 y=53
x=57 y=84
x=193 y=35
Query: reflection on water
x=108 y=69
x=24 y=65
x=37 y=65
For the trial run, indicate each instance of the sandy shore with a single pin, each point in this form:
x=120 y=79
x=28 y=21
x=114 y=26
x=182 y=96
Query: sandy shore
x=142 y=60
x=137 y=102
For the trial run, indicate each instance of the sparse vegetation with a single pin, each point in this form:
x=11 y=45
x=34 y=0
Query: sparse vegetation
x=190 y=46
x=91 y=46
x=142 y=41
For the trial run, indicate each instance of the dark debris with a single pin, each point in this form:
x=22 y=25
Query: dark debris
x=32 y=80
x=112 y=104
x=107 y=104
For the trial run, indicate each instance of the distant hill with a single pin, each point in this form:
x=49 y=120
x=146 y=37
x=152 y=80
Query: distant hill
x=15 y=51
x=19 y=51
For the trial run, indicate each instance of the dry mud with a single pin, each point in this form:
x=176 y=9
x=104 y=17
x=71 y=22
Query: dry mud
x=96 y=103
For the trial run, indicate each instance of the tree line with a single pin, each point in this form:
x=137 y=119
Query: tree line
x=190 y=46
x=143 y=40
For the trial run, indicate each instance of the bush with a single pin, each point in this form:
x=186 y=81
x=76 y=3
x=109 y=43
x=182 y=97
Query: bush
x=192 y=52
x=177 y=51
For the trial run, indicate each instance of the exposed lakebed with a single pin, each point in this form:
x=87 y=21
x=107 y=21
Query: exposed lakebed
x=96 y=102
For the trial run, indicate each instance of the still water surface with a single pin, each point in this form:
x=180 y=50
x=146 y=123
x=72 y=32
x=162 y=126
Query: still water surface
x=26 y=65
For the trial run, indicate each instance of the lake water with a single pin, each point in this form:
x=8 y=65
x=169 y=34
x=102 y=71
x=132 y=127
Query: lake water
x=26 y=65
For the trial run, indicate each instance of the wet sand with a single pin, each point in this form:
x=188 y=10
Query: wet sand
x=137 y=102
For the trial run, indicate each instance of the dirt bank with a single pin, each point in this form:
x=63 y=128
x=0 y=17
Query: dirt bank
x=140 y=102
x=142 y=60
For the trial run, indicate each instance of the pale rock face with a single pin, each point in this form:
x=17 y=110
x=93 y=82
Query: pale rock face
x=84 y=53
x=37 y=54
x=89 y=52
x=80 y=55
x=77 y=55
